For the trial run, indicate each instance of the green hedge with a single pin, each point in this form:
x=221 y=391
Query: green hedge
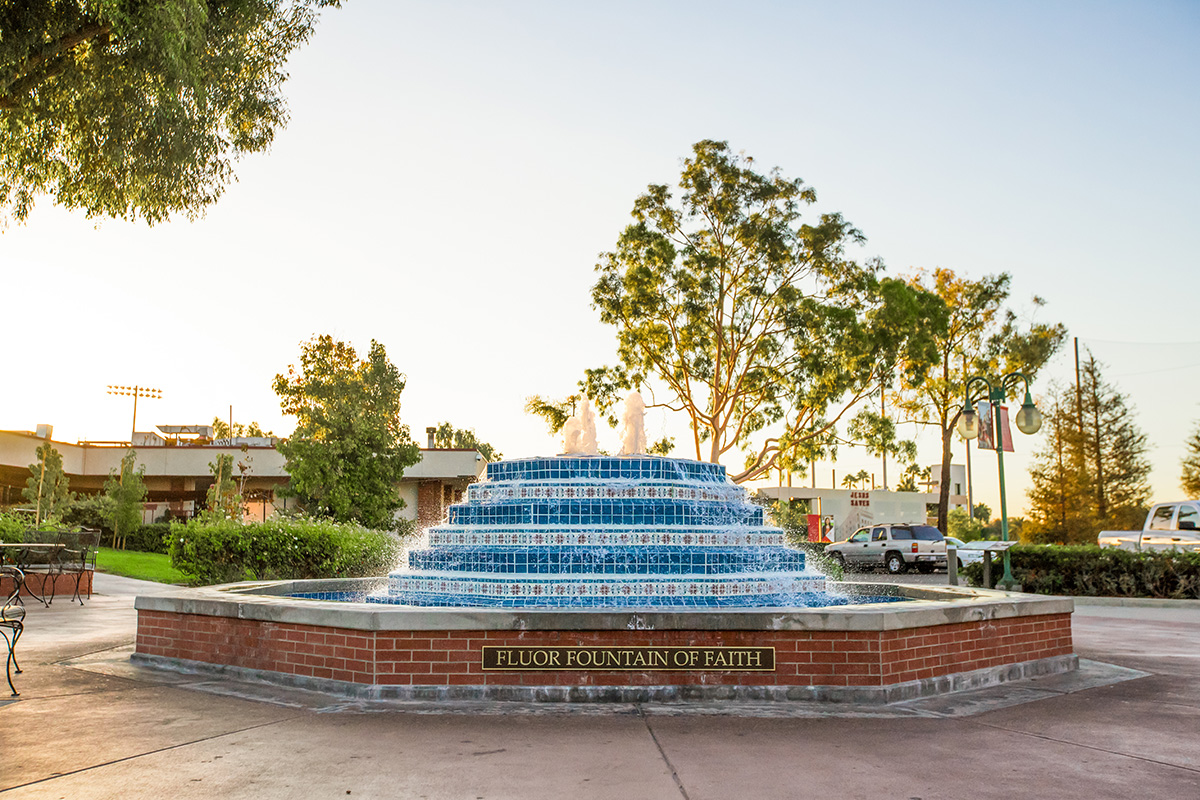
x=1091 y=571
x=280 y=549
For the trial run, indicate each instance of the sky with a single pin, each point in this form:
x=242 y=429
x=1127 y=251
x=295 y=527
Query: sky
x=451 y=172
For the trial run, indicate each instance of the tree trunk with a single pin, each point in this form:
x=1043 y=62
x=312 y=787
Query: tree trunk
x=943 y=515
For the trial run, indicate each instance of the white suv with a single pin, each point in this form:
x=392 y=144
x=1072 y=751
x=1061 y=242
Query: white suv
x=893 y=546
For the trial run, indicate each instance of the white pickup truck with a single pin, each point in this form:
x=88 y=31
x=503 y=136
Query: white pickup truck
x=1169 y=526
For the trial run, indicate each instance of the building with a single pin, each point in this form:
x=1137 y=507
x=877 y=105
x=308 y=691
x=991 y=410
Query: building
x=843 y=511
x=178 y=475
x=959 y=490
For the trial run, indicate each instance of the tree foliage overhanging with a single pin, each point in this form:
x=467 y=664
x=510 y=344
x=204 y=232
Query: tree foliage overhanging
x=135 y=109
x=349 y=449
x=759 y=327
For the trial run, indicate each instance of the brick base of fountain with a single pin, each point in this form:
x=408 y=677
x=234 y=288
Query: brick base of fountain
x=933 y=641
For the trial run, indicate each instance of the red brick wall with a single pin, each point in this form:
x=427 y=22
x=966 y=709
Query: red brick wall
x=441 y=658
x=429 y=503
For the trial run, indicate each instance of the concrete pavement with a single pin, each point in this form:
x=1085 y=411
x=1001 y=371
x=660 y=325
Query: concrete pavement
x=90 y=725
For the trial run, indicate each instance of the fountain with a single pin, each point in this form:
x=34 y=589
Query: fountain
x=587 y=577
x=597 y=531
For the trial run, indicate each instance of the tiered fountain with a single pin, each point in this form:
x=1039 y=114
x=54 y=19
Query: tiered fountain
x=598 y=531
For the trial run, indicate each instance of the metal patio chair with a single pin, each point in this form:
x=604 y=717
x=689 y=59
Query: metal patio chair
x=77 y=557
x=12 y=618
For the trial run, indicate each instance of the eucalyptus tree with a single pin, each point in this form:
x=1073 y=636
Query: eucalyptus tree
x=349 y=449
x=137 y=109
x=757 y=326
x=981 y=337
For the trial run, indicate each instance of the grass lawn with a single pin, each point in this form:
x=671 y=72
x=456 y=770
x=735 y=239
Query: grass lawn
x=143 y=566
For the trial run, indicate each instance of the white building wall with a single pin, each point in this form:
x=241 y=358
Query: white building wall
x=853 y=509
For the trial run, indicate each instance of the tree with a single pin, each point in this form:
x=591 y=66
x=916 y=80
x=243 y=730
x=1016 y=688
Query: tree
x=662 y=447
x=1059 y=492
x=124 y=492
x=221 y=430
x=47 y=489
x=132 y=109
x=1116 y=452
x=908 y=478
x=349 y=449
x=554 y=413
x=981 y=337
x=755 y=326
x=1189 y=478
x=223 y=499
x=961 y=526
x=448 y=436
x=856 y=480
x=1092 y=472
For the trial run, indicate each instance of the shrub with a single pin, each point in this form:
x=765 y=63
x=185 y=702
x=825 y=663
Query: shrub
x=281 y=548
x=1092 y=571
x=152 y=538
x=87 y=511
x=12 y=527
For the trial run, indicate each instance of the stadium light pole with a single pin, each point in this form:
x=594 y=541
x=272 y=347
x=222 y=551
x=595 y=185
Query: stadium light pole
x=135 y=392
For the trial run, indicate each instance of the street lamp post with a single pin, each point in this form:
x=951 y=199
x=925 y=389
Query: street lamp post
x=1028 y=419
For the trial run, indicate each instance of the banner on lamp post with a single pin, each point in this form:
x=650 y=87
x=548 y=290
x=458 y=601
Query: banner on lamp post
x=987 y=430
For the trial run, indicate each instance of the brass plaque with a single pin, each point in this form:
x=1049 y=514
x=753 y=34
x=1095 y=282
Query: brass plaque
x=625 y=659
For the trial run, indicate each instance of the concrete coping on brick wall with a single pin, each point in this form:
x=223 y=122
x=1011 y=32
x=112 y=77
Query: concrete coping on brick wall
x=923 y=606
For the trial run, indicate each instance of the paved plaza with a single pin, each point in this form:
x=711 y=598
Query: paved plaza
x=89 y=724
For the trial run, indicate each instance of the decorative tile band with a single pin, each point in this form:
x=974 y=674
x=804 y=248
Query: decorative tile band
x=498 y=492
x=622 y=560
x=449 y=535
x=412 y=587
x=606 y=512
x=561 y=468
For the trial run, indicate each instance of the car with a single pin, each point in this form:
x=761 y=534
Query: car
x=895 y=546
x=966 y=554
